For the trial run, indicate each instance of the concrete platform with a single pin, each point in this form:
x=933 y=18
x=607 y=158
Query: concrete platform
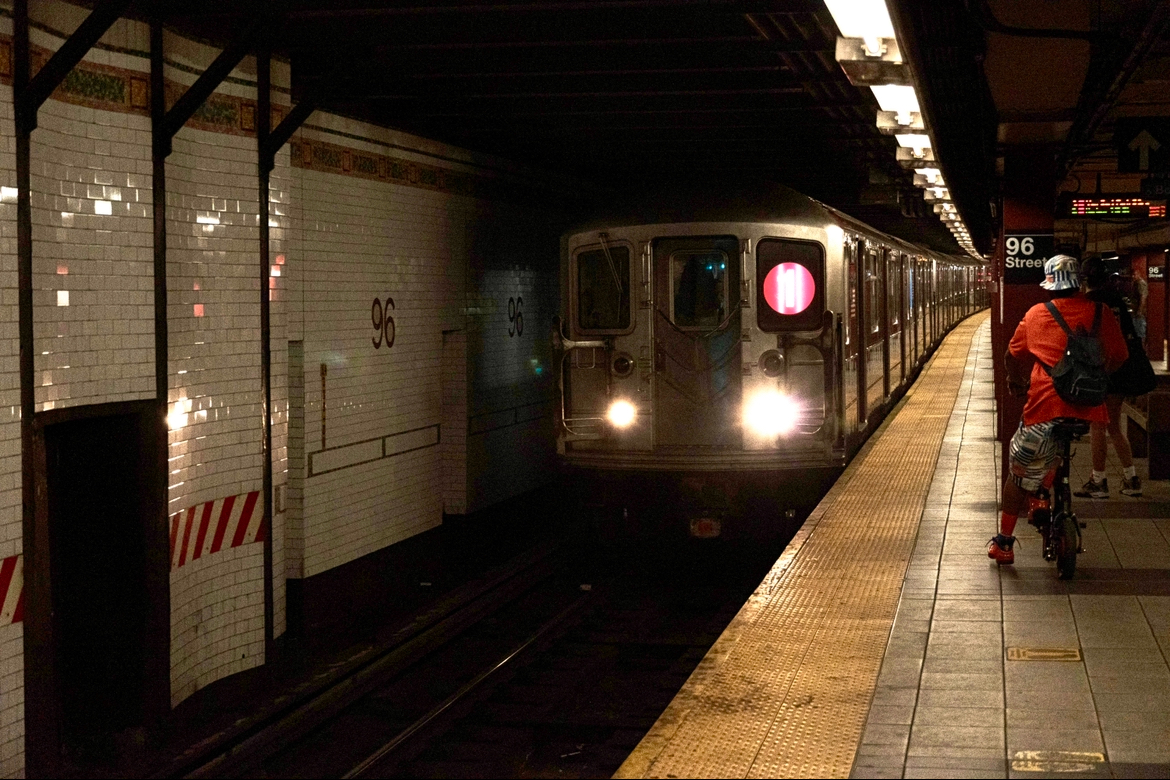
x=952 y=701
x=796 y=686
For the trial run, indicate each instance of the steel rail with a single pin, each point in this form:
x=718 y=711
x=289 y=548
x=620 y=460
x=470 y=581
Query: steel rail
x=302 y=711
x=403 y=736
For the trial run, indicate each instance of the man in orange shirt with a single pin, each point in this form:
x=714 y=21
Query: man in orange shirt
x=1040 y=342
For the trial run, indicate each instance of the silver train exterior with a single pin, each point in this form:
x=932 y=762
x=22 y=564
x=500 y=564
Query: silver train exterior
x=742 y=335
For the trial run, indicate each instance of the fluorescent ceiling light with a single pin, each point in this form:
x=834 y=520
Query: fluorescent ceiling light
x=932 y=174
x=915 y=141
x=865 y=19
x=897 y=98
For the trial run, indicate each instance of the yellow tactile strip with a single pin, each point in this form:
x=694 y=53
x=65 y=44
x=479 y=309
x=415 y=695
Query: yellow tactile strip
x=785 y=690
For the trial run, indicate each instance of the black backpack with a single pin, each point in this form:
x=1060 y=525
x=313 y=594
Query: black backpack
x=1079 y=377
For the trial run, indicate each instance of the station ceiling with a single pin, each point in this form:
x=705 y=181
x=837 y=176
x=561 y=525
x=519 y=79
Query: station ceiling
x=629 y=94
x=626 y=94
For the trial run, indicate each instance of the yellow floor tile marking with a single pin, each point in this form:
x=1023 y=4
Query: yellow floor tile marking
x=1043 y=654
x=785 y=690
x=1052 y=761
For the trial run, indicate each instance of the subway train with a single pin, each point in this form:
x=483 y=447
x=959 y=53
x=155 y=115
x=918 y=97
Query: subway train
x=733 y=346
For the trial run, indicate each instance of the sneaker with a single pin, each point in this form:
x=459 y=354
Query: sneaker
x=999 y=549
x=1132 y=486
x=1094 y=489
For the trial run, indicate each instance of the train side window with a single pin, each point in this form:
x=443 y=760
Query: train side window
x=790 y=281
x=698 y=287
x=603 y=289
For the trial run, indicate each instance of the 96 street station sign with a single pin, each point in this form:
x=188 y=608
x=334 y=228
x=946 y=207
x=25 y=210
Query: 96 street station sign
x=1024 y=256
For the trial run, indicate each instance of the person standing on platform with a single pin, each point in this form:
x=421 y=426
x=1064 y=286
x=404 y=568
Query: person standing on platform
x=1038 y=344
x=1141 y=291
x=1096 y=278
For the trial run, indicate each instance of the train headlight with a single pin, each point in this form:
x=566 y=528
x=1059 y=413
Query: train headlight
x=770 y=413
x=621 y=414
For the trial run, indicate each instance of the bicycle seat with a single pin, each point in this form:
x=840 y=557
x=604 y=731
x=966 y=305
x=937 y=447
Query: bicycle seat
x=1070 y=428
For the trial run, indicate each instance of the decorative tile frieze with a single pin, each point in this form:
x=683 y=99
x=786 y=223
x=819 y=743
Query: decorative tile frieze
x=314 y=154
x=108 y=88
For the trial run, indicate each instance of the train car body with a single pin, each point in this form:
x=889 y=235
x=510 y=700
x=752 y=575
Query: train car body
x=725 y=339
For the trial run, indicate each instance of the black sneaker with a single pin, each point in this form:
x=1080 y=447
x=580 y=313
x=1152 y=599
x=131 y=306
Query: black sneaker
x=1094 y=489
x=1131 y=486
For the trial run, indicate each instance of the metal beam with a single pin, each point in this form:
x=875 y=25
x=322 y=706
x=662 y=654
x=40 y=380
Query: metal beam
x=263 y=125
x=279 y=137
x=736 y=6
x=722 y=110
x=42 y=744
x=186 y=106
x=50 y=76
x=160 y=480
x=215 y=9
x=606 y=43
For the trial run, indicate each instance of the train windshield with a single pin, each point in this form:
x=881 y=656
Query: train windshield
x=603 y=289
x=698 y=289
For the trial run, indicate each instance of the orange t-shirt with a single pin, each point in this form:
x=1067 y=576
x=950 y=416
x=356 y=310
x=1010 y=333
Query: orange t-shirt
x=1038 y=335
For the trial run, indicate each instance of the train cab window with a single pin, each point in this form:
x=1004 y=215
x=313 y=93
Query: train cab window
x=698 y=286
x=790 y=278
x=603 y=289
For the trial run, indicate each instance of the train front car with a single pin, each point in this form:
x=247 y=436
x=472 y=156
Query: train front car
x=701 y=364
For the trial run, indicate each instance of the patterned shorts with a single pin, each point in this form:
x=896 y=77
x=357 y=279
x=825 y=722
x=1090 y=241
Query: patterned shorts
x=1034 y=452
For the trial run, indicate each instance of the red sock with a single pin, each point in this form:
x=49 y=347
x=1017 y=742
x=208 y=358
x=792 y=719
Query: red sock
x=1007 y=524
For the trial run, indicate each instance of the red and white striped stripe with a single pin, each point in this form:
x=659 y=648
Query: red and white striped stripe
x=12 y=590
x=207 y=528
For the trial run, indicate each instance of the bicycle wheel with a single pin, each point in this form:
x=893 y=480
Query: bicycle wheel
x=1067 y=543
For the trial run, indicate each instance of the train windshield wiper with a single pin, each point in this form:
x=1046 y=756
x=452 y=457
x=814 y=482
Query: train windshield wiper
x=612 y=265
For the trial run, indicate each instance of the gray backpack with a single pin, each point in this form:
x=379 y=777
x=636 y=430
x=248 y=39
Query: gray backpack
x=1079 y=377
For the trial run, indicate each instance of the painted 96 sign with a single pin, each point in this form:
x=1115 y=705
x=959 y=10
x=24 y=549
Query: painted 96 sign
x=1024 y=256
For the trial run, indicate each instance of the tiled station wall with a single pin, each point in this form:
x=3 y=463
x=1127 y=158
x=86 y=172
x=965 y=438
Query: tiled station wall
x=396 y=443
x=452 y=416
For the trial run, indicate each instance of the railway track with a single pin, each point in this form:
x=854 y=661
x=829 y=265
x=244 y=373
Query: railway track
x=559 y=676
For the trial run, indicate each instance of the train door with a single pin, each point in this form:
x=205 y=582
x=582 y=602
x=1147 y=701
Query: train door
x=886 y=321
x=912 y=308
x=601 y=295
x=897 y=318
x=876 y=362
x=862 y=337
x=854 y=413
x=697 y=351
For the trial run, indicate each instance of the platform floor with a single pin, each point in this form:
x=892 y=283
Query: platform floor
x=884 y=643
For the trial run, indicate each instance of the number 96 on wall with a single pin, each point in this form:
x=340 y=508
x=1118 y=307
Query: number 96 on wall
x=383 y=322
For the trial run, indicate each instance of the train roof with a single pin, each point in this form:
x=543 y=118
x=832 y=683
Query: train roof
x=764 y=202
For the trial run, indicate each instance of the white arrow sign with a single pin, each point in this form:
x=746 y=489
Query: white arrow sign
x=1143 y=145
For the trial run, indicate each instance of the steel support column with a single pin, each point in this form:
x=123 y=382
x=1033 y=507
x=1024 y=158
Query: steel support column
x=264 y=169
x=160 y=145
x=41 y=727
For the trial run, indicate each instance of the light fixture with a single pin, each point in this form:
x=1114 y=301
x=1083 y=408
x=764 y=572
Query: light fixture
x=917 y=142
x=771 y=413
x=868 y=20
x=915 y=158
x=867 y=50
x=621 y=414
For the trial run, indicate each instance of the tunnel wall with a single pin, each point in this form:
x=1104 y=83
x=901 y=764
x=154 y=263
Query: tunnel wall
x=454 y=416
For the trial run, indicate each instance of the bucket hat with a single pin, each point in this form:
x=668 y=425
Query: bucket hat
x=1061 y=273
